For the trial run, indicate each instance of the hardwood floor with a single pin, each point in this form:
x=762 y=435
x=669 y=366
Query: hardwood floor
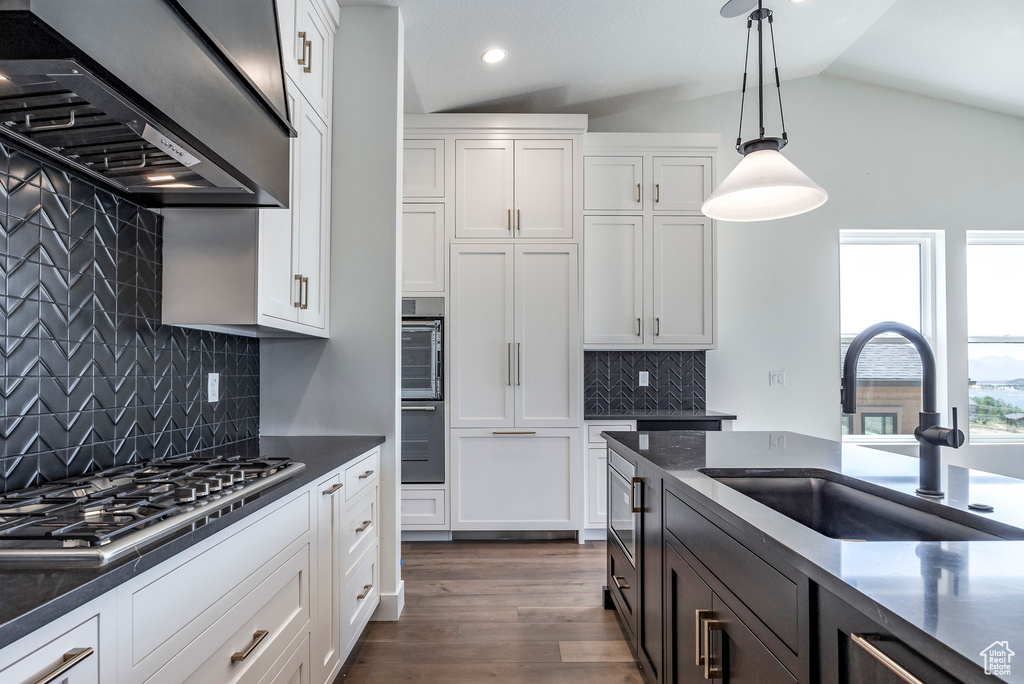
x=512 y=612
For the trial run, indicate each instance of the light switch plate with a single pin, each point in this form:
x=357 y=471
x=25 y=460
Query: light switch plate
x=644 y=379
x=213 y=388
x=776 y=378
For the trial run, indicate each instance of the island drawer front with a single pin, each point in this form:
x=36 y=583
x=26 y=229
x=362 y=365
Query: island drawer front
x=771 y=596
x=625 y=468
x=33 y=666
x=359 y=527
x=362 y=473
x=622 y=585
x=594 y=430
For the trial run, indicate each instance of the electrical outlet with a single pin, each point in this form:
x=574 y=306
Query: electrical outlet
x=776 y=378
x=213 y=388
x=645 y=379
x=777 y=440
x=645 y=442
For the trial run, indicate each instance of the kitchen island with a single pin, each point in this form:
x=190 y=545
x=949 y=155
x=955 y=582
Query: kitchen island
x=936 y=606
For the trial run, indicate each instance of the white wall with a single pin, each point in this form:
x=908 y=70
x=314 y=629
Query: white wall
x=889 y=160
x=349 y=383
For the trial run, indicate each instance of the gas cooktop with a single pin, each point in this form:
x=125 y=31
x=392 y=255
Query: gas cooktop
x=97 y=516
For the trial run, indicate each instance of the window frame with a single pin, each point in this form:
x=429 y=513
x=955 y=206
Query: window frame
x=883 y=415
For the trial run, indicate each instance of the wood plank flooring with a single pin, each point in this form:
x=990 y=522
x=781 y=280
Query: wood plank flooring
x=510 y=612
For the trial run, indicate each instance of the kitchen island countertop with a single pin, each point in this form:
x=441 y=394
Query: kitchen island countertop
x=666 y=415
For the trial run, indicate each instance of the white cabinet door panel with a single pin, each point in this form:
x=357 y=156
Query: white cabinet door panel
x=613 y=183
x=683 y=280
x=316 y=50
x=547 y=342
x=484 y=188
x=313 y=212
x=543 y=188
x=423 y=248
x=423 y=169
x=481 y=341
x=516 y=481
x=613 y=280
x=326 y=616
x=681 y=183
x=597 y=486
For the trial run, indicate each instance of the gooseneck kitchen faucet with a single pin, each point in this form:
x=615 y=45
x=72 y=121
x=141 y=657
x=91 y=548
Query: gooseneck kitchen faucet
x=928 y=433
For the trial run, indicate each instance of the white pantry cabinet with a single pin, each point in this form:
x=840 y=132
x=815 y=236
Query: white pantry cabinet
x=423 y=170
x=681 y=183
x=423 y=262
x=613 y=183
x=613 y=280
x=514 y=336
x=513 y=189
x=307 y=48
x=683 y=281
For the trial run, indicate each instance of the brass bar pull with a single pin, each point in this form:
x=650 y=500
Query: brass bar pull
x=305 y=284
x=298 y=277
x=365 y=475
x=710 y=671
x=638 y=192
x=620 y=582
x=419 y=408
x=657 y=193
x=258 y=636
x=366 y=523
x=698 y=633
x=519 y=222
x=638 y=326
x=305 y=44
x=333 y=488
x=519 y=363
x=309 y=59
x=71 y=658
x=657 y=327
x=632 y=495
x=509 y=364
x=50 y=127
x=864 y=641
x=510 y=220
x=366 y=592
x=513 y=432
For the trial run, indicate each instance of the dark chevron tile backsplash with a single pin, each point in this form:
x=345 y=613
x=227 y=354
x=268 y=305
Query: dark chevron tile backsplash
x=610 y=381
x=90 y=378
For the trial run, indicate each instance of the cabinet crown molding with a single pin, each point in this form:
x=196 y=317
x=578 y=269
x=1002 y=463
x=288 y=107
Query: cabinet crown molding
x=492 y=124
x=639 y=143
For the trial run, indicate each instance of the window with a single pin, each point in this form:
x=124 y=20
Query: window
x=995 y=335
x=886 y=276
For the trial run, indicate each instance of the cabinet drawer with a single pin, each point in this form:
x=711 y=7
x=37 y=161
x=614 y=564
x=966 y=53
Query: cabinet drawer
x=245 y=643
x=361 y=474
x=622 y=586
x=81 y=643
x=359 y=527
x=625 y=468
x=296 y=667
x=769 y=594
x=594 y=430
x=423 y=507
x=359 y=599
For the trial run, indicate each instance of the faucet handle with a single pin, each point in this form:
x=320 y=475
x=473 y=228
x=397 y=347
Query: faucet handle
x=958 y=437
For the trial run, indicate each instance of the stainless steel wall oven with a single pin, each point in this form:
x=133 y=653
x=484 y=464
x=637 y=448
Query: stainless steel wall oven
x=423 y=390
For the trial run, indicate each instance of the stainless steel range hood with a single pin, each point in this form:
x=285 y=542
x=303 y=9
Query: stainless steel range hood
x=140 y=96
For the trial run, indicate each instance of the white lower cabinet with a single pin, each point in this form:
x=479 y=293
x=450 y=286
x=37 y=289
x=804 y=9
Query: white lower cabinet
x=597 y=470
x=423 y=506
x=515 y=479
x=296 y=668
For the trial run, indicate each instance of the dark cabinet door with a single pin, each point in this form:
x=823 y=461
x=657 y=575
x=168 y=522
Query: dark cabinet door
x=738 y=656
x=649 y=570
x=687 y=602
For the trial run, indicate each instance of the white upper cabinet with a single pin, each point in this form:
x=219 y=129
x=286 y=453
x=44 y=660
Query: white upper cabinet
x=307 y=47
x=613 y=183
x=683 y=280
x=613 y=280
x=520 y=188
x=423 y=169
x=311 y=222
x=681 y=184
x=423 y=248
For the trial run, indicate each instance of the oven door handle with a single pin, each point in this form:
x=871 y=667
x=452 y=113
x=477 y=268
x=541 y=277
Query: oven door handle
x=419 y=408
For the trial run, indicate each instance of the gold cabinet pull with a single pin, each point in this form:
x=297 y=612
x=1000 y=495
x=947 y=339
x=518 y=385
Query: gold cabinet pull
x=657 y=327
x=365 y=475
x=864 y=641
x=366 y=523
x=710 y=671
x=632 y=495
x=258 y=636
x=519 y=222
x=697 y=633
x=298 y=278
x=638 y=192
x=514 y=432
x=509 y=364
x=620 y=582
x=305 y=285
x=333 y=488
x=657 y=193
x=309 y=60
x=366 y=592
x=302 y=38
x=71 y=658
x=638 y=326
x=510 y=220
x=519 y=363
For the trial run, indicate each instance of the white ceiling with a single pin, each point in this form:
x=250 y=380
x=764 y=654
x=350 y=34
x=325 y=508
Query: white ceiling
x=605 y=56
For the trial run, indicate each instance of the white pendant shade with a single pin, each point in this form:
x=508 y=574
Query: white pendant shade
x=764 y=186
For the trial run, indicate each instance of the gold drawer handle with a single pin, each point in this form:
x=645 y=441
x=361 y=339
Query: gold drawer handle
x=620 y=582
x=701 y=616
x=366 y=523
x=305 y=43
x=305 y=284
x=334 y=488
x=711 y=672
x=365 y=475
x=366 y=592
x=71 y=658
x=298 y=278
x=864 y=641
x=258 y=636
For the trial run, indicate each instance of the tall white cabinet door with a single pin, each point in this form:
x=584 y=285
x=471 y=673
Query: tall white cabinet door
x=613 y=280
x=423 y=169
x=683 y=280
x=547 y=344
x=524 y=481
x=597 y=486
x=482 y=371
x=278 y=291
x=484 y=173
x=313 y=207
x=543 y=188
x=326 y=615
x=681 y=183
x=423 y=248
x=613 y=183
x=315 y=60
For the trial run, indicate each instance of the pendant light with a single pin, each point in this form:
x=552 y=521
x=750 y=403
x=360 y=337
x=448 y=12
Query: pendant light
x=764 y=185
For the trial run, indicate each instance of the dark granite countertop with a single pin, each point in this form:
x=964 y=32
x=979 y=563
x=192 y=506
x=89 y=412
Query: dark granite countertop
x=33 y=595
x=907 y=586
x=661 y=415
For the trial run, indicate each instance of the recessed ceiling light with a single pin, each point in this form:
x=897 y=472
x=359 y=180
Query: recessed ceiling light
x=494 y=55
x=160 y=178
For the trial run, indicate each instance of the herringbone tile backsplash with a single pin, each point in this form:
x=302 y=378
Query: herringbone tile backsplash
x=91 y=378
x=677 y=381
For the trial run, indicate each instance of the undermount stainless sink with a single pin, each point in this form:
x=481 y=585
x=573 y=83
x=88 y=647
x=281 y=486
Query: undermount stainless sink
x=846 y=508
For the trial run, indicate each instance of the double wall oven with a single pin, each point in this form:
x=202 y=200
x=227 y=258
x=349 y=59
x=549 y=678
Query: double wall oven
x=422 y=390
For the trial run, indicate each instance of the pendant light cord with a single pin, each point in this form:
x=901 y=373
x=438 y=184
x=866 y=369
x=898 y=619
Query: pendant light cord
x=760 y=72
x=743 y=91
x=778 y=83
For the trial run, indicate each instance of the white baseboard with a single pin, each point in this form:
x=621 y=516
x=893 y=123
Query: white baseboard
x=595 y=534
x=391 y=605
x=426 y=535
